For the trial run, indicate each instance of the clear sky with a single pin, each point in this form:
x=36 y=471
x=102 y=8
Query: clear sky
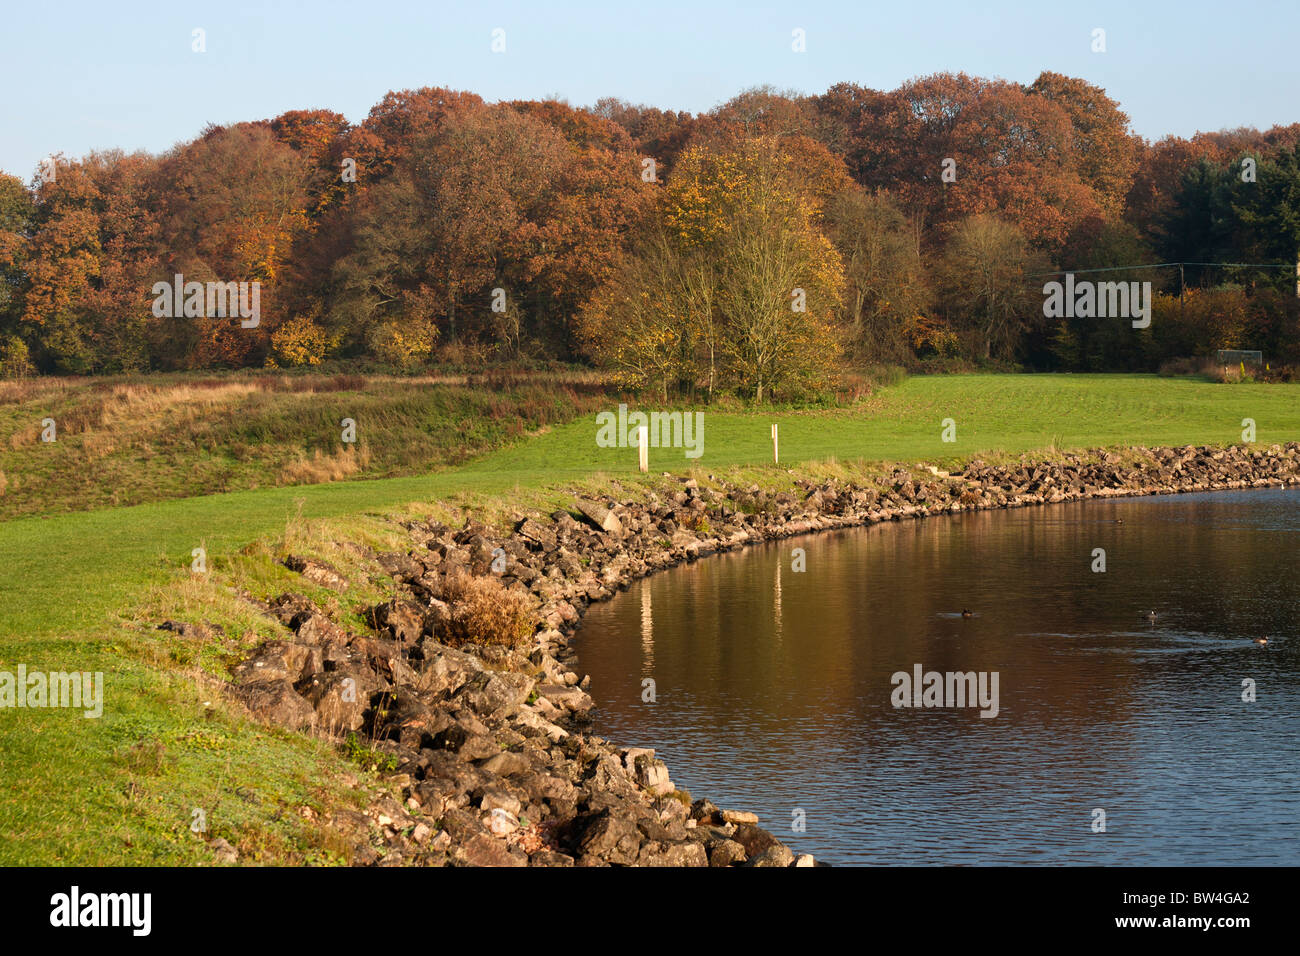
x=117 y=73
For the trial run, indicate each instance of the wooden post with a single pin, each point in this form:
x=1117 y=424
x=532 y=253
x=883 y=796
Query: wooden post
x=643 y=446
x=776 y=456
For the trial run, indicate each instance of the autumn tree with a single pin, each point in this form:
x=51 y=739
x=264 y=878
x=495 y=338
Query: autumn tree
x=739 y=281
x=535 y=200
x=398 y=121
x=17 y=213
x=885 y=286
x=1003 y=150
x=89 y=264
x=232 y=204
x=656 y=134
x=985 y=286
x=1103 y=151
x=318 y=136
x=645 y=325
x=440 y=233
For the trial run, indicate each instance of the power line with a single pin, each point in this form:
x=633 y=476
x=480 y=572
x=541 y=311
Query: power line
x=1167 y=265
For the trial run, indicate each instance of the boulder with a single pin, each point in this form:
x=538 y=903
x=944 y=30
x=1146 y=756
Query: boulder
x=317 y=572
x=778 y=855
x=275 y=702
x=487 y=850
x=403 y=621
x=600 y=516
x=610 y=837
x=277 y=661
x=496 y=694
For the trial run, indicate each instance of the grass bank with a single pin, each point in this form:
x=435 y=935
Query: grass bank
x=82 y=590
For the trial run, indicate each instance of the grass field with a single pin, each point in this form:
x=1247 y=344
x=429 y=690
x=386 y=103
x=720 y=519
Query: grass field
x=122 y=788
x=125 y=441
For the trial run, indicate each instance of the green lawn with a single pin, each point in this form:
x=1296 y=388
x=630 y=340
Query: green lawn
x=64 y=573
x=85 y=791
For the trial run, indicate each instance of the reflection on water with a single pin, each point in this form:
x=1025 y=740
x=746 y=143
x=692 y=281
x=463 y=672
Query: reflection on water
x=773 y=687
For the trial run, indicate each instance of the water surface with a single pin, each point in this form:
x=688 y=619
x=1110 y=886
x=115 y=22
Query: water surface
x=773 y=687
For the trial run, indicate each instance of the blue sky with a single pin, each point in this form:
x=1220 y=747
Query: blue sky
x=86 y=75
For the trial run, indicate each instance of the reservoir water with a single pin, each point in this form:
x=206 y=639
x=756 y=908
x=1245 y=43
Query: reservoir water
x=775 y=689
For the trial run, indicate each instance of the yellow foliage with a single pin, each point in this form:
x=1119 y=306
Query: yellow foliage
x=403 y=342
x=300 y=341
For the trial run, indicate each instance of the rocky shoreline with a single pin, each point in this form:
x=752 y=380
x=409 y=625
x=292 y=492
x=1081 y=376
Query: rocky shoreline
x=488 y=742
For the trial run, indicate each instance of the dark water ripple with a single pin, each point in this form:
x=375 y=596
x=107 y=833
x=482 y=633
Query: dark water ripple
x=773 y=687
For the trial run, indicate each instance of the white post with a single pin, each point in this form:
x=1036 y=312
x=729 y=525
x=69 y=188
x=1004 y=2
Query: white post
x=643 y=446
x=776 y=455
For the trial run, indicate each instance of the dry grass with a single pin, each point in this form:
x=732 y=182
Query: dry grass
x=321 y=468
x=483 y=611
x=128 y=440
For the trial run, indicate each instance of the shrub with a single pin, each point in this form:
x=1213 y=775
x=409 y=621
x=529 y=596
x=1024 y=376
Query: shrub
x=300 y=341
x=484 y=611
x=403 y=342
x=15 y=360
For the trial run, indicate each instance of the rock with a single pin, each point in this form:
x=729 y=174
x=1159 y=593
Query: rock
x=805 y=859
x=776 y=855
x=288 y=607
x=445 y=670
x=530 y=718
x=672 y=854
x=486 y=850
x=705 y=811
x=549 y=858
x=275 y=702
x=317 y=572
x=610 y=837
x=754 y=840
x=571 y=699
x=600 y=516
x=402 y=620
x=277 y=661
x=726 y=853
x=533 y=531
x=494 y=799
x=739 y=816
x=398 y=565
x=223 y=852
x=341 y=698
x=506 y=764
x=495 y=694
x=549 y=788
x=651 y=774
x=314 y=628
x=501 y=822
x=466 y=743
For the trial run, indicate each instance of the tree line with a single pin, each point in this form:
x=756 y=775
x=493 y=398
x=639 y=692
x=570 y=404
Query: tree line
x=753 y=249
